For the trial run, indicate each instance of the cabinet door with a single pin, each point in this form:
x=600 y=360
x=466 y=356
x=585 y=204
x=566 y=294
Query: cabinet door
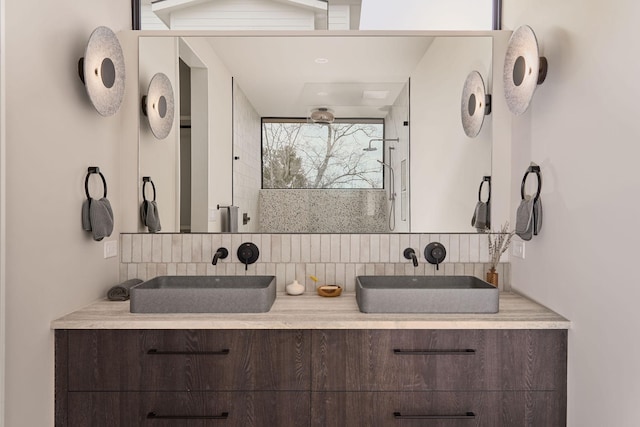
x=421 y=360
x=229 y=409
x=446 y=409
x=154 y=360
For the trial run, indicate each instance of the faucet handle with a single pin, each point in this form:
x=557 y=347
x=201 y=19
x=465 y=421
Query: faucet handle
x=248 y=253
x=435 y=253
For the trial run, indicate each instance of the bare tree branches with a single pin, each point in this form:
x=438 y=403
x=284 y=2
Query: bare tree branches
x=303 y=155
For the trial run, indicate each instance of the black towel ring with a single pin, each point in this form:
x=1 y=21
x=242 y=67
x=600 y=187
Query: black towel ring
x=486 y=179
x=90 y=171
x=146 y=179
x=532 y=169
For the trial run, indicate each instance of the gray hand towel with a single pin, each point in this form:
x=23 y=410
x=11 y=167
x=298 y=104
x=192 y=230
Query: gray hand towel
x=97 y=217
x=529 y=218
x=150 y=216
x=481 y=219
x=121 y=292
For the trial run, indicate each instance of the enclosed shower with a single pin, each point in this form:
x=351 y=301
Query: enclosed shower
x=392 y=178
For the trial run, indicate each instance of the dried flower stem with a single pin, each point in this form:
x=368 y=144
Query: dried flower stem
x=498 y=244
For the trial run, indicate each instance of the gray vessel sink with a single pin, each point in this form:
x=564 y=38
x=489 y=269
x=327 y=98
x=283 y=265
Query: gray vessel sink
x=204 y=294
x=425 y=294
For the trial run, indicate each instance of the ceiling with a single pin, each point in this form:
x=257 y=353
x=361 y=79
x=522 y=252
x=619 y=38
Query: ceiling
x=289 y=76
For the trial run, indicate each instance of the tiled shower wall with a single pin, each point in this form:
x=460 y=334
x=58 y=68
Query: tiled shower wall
x=332 y=258
x=313 y=210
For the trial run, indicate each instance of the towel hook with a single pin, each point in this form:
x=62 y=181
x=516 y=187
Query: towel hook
x=146 y=179
x=91 y=170
x=486 y=179
x=533 y=168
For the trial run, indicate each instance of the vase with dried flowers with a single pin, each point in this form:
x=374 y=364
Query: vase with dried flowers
x=498 y=244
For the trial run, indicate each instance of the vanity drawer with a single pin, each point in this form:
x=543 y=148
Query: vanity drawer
x=446 y=409
x=136 y=360
x=422 y=360
x=229 y=409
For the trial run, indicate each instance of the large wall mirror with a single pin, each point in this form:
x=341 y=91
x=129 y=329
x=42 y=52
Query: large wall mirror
x=362 y=128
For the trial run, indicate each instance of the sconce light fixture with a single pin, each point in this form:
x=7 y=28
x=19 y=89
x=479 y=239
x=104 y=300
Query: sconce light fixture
x=475 y=104
x=524 y=69
x=102 y=71
x=158 y=105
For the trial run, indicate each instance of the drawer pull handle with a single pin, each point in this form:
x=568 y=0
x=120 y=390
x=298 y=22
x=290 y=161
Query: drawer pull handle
x=154 y=416
x=463 y=352
x=156 y=352
x=466 y=416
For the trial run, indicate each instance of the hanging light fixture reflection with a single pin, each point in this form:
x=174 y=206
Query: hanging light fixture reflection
x=158 y=105
x=475 y=104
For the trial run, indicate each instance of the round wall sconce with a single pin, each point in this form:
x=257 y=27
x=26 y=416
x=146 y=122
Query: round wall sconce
x=524 y=69
x=158 y=105
x=102 y=71
x=475 y=104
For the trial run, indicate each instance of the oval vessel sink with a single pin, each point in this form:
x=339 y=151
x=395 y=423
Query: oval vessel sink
x=204 y=294
x=425 y=294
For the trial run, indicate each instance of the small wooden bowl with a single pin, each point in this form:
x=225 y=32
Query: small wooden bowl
x=329 y=290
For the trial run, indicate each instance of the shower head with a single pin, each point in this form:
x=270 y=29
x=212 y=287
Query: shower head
x=370 y=148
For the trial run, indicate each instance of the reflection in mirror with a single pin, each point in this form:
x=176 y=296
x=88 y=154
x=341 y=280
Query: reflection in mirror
x=230 y=85
x=475 y=104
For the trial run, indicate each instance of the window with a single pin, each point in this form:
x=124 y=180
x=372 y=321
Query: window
x=299 y=154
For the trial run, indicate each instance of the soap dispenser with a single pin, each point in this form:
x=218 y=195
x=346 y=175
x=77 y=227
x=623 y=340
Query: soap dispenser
x=295 y=288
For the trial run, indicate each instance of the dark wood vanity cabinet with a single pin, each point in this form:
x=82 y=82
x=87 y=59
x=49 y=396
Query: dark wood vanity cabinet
x=311 y=378
x=135 y=378
x=439 y=378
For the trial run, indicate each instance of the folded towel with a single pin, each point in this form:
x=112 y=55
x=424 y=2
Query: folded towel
x=150 y=216
x=481 y=219
x=97 y=217
x=121 y=292
x=529 y=217
x=86 y=221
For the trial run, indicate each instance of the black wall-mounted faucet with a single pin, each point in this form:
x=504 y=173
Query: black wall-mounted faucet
x=221 y=253
x=409 y=253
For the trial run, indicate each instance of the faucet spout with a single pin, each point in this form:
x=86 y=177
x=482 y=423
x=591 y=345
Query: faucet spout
x=221 y=253
x=409 y=253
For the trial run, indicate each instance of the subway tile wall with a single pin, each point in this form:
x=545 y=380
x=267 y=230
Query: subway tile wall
x=332 y=258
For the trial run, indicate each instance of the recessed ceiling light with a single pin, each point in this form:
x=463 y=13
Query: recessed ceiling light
x=375 y=94
x=323 y=93
x=321 y=60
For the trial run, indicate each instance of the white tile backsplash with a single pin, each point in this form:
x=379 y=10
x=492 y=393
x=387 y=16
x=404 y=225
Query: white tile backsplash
x=332 y=258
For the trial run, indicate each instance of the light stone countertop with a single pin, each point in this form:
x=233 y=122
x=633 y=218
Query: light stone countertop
x=310 y=311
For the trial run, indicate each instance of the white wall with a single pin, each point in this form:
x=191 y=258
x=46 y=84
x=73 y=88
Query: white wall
x=582 y=129
x=444 y=189
x=426 y=15
x=220 y=124
x=242 y=15
x=52 y=135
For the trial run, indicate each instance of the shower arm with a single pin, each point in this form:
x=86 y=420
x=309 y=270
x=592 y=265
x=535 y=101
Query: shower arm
x=370 y=148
